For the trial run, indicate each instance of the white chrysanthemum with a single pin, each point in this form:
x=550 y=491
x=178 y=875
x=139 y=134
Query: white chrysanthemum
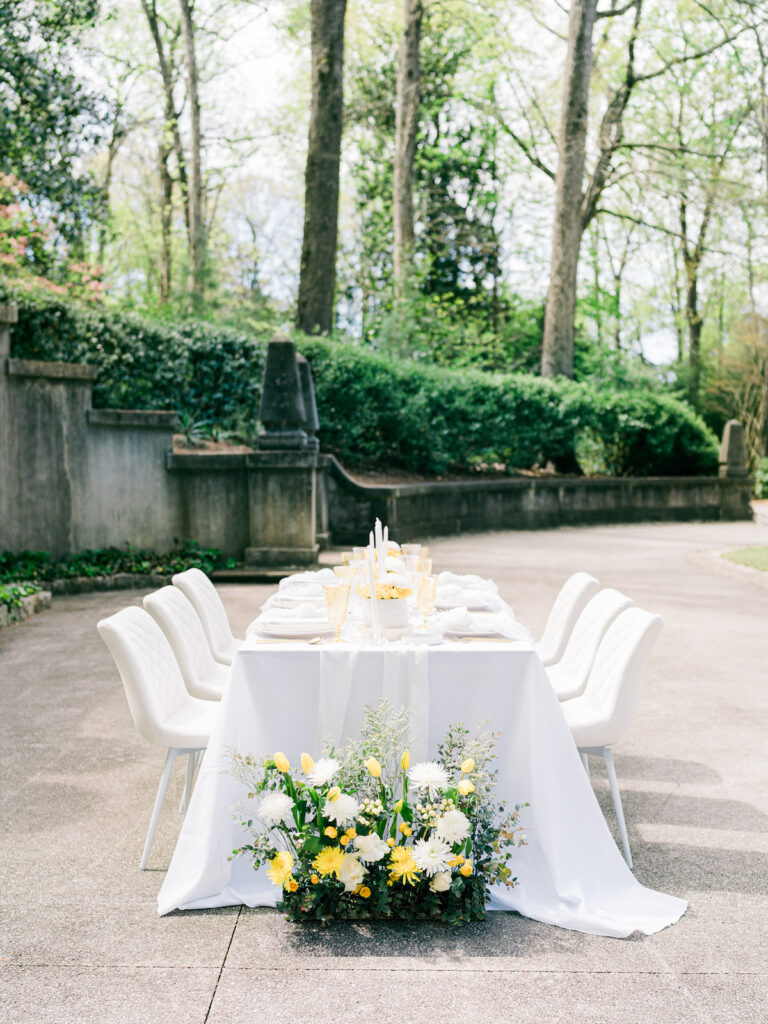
x=275 y=807
x=342 y=810
x=432 y=855
x=441 y=882
x=429 y=775
x=351 y=872
x=453 y=827
x=323 y=771
x=371 y=848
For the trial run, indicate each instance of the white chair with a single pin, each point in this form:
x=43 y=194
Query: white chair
x=569 y=675
x=203 y=675
x=603 y=714
x=162 y=710
x=198 y=589
x=568 y=605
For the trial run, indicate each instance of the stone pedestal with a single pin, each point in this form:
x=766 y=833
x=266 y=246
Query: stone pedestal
x=8 y=315
x=733 y=452
x=282 y=487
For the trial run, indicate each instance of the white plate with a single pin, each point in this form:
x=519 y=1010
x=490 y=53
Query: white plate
x=471 y=606
x=471 y=634
x=299 y=629
x=292 y=600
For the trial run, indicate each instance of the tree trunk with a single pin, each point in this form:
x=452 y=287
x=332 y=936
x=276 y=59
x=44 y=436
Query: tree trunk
x=693 y=318
x=171 y=116
x=557 y=344
x=406 y=126
x=196 y=224
x=317 y=276
x=166 y=209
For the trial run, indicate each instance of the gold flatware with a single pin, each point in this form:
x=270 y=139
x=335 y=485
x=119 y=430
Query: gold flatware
x=288 y=640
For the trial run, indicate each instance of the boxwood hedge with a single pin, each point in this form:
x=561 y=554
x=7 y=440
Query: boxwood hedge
x=375 y=410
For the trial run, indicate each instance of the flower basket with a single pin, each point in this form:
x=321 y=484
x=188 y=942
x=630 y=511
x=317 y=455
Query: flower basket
x=365 y=835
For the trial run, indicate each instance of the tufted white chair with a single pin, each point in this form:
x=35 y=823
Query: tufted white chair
x=603 y=714
x=195 y=585
x=569 y=675
x=162 y=710
x=568 y=605
x=204 y=677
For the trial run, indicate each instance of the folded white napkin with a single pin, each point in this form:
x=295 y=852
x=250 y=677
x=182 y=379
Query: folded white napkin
x=468 y=580
x=452 y=596
x=307 y=610
x=321 y=576
x=463 y=623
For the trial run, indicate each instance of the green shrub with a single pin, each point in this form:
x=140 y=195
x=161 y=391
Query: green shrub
x=761 y=479
x=12 y=593
x=375 y=410
x=40 y=566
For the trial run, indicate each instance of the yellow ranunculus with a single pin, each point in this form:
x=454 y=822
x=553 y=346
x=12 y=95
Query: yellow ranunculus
x=351 y=832
x=455 y=861
x=344 y=840
x=292 y=885
x=314 y=879
x=405 y=828
x=405 y=760
x=373 y=767
x=466 y=787
x=334 y=793
x=307 y=764
x=364 y=891
x=468 y=765
x=281 y=762
x=280 y=867
x=390 y=841
x=331 y=832
x=329 y=861
x=466 y=868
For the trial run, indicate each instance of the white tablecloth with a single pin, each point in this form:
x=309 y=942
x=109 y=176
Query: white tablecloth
x=292 y=697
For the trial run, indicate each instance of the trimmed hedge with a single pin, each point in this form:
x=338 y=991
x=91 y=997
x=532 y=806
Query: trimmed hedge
x=375 y=410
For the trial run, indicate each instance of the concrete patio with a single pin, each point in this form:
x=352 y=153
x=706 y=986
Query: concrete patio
x=81 y=940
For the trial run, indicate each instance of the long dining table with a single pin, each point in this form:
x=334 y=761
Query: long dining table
x=295 y=696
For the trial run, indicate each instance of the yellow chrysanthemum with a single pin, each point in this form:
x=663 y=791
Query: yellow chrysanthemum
x=329 y=861
x=280 y=867
x=402 y=867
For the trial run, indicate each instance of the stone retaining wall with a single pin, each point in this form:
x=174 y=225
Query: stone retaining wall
x=30 y=605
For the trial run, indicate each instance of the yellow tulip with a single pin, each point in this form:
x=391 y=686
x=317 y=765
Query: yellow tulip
x=334 y=794
x=281 y=762
x=307 y=764
x=331 y=832
x=466 y=787
x=466 y=868
x=405 y=761
x=398 y=807
x=468 y=765
x=373 y=767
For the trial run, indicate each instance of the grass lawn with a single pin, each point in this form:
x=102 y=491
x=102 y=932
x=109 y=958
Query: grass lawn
x=755 y=558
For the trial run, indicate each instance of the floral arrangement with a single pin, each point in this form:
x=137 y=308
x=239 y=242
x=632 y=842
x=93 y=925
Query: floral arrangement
x=363 y=833
x=386 y=591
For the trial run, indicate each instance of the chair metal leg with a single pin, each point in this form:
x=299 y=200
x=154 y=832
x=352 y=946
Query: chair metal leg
x=170 y=758
x=608 y=755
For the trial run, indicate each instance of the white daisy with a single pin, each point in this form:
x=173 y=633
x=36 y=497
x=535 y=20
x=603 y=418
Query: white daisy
x=453 y=827
x=342 y=810
x=275 y=807
x=429 y=775
x=432 y=855
x=351 y=873
x=323 y=771
x=371 y=848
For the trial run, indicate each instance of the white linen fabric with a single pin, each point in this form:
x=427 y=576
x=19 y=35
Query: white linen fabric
x=571 y=874
x=466 y=580
x=450 y=595
x=321 y=576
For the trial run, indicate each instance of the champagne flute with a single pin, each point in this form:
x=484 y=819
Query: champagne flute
x=425 y=565
x=344 y=573
x=336 y=603
x=425 y=597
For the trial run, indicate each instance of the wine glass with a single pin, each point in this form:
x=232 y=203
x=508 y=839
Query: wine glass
x=425 y=596
x=344 y=573
x=336 y=603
